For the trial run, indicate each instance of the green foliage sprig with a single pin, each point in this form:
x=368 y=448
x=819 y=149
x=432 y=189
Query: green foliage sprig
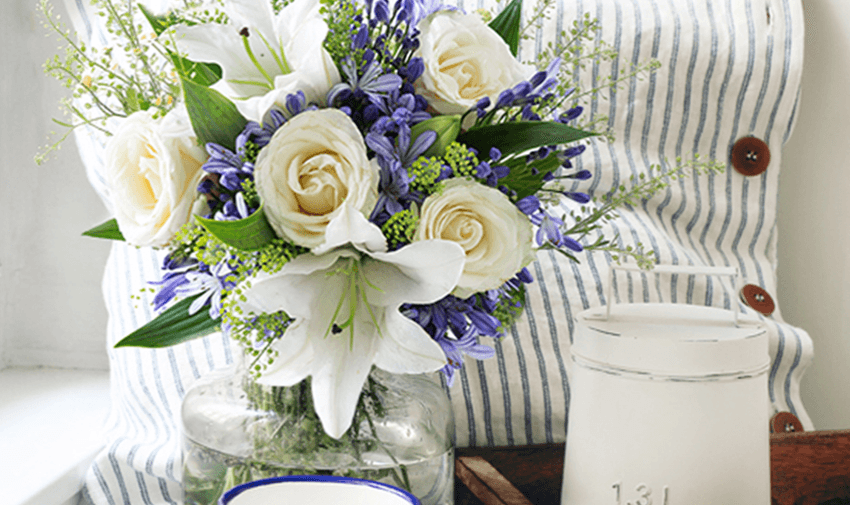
x=589 y=220
x=135 y=71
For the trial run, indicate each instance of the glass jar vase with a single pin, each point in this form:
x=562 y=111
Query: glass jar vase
x=235 y=431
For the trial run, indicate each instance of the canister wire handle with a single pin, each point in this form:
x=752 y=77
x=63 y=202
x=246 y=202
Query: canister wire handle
x=674 y=269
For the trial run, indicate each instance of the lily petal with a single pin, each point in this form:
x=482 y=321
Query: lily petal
x=294 y=361
x=339 y=379
x=291 y=20
x=421 y=272
x=222 y=44
x=405 y=347
x=256 y=15
x=294 y=290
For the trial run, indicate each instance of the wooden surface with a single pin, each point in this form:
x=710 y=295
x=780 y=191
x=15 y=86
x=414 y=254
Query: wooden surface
x=807 y=468
x=810 y=468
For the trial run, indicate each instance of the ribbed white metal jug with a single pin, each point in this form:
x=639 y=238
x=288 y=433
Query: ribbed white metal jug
x=669 y=406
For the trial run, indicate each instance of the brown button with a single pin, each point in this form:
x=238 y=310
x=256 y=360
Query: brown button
x=785 y=422
x=757 y=298
x=750 y=156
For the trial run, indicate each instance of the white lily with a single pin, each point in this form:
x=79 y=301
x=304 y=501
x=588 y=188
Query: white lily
x=281 y=54
x=346 y=308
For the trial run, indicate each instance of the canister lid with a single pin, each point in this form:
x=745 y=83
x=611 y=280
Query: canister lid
x=671 y=340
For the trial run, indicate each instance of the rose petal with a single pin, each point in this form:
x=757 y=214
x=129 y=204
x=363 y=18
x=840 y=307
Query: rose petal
x=351 y=227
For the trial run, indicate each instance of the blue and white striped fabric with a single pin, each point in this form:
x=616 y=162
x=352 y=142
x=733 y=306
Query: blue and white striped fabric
x=730 y=68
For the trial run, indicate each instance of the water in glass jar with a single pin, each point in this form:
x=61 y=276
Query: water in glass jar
x=208 y=473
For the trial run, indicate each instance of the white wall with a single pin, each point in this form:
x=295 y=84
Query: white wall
x=51 y=310
x=814 y=214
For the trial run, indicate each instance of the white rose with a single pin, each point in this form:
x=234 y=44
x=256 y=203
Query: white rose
x=493 y=233
x=153 y=167
x=465 y=61
x=313 y=168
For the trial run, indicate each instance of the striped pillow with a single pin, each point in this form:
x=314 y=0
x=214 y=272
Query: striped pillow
x=729 y=69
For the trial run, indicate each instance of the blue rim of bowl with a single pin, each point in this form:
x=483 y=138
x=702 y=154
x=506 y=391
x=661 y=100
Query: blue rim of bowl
x=233 y=492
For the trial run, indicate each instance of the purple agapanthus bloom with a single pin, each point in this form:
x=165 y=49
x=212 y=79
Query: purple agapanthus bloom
x=400 y=109
x=455 y=350
x=569 y=115
x=549 y=227
x=175 y=276
x=393 y=191
x=231 y=170
x=543 y=81
x=234 y=209
x=549 y=231
x=230 y=167
x=373 y=82
x=259 y=134
x=402 y=150
x=209 y=283
x=456 y=323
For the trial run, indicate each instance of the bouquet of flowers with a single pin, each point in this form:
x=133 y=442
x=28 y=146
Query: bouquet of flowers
x=340 y=185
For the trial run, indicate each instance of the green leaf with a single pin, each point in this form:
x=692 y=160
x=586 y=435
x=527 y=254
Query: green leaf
x=214 y=117
x=506 y=24
x=158 y=23
x=108 y=230
x=527 y=178
x=247 y=234
x=521 y=136
x=172 y=326
x=131 y=102
x=205 y=74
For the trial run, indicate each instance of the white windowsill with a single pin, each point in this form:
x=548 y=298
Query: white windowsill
x=51 y=427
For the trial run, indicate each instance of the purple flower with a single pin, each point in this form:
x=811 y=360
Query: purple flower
x=455 y=349
x=393 y=190
x=296 y=103
x=571 y=114
x=174 y=277
x=577 y=196
x=581 y=175
x=549 y=231
x=414 y=69
x=528 y=205
x=373 y=82
x=209 y=283
x=257 y=134
x=234 y=209
x=381 y=11
x=231 y=169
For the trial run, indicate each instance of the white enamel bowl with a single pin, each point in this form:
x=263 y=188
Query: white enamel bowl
x=313 y=489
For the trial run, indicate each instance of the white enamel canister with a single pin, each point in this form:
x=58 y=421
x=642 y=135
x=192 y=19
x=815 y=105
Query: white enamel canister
x=669 y=406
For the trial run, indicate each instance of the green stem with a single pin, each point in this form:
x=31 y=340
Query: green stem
x=404 y=480
x=56 y=28
x=132 y=37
